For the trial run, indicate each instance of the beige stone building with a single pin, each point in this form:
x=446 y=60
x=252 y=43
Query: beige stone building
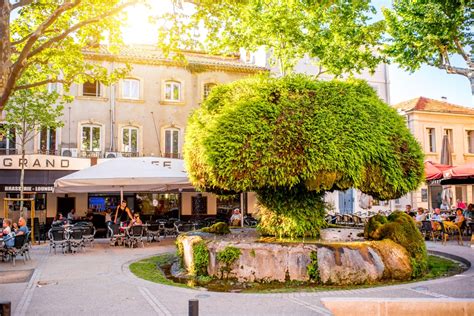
x=429 y=120
x=144 y=114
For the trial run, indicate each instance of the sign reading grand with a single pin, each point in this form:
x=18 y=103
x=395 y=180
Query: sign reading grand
x=43 y=162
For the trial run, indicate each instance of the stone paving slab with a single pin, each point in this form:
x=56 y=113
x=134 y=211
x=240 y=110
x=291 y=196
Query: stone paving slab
x=99 y=282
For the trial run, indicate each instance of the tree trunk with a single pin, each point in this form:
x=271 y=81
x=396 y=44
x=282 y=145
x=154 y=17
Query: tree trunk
x=22 y=173
x=22 y=179
x=5 y=50
x=471 y=79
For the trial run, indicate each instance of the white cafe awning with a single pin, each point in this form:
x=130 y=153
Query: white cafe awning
x=127 y=174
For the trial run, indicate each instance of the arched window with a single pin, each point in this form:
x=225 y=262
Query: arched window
x=131 y=89
x=130 y=139
x=172 y=143
x=172 y=91
x=91 y=138
x=207 y=89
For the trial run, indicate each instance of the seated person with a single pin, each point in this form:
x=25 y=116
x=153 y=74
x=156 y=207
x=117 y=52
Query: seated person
x=420 y=216
x=6 y=233
x=469 y=212
x=59 y=220
x=236 y=218
x=459 y=217
x=436 y=218
x=89 y=216
x=22 y=228
x=71 y=215
x=136 y=220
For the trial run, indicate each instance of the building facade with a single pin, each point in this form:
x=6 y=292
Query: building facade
x=143 y=114
x=429 y=120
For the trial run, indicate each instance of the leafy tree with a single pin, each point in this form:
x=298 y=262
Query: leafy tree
x=290 y=139
x=27 y=112
x=43 y=41
x=338 y=34
x=431 y=32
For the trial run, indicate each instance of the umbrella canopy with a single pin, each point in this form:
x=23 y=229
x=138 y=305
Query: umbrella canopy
x=434 y=171
x=446 y=154
x=126 y=174
x=460 y=172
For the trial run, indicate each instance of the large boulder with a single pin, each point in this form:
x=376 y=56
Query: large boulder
x=263 y=262
x=350 y=264
x=395 y=258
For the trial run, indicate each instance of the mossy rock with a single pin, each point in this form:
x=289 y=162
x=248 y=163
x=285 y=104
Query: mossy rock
x=371 y=230
x=220 y=228
x=400 y=228
x=396 y=260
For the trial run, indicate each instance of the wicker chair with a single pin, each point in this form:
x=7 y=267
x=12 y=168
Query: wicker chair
x=75 y=238
x=116 y=237
x=152 y=232
x=21 y=242
x=57 y=239
x=134 y=236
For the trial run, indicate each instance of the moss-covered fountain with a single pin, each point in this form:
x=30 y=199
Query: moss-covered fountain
x=290 y=140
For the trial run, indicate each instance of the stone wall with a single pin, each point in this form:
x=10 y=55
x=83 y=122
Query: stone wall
x=338 y=263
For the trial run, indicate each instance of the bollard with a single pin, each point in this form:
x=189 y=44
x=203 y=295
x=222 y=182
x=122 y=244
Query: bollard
x=5 y=308
x=193 y=308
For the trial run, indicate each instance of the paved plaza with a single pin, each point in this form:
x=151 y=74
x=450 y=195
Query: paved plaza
x=98 y=282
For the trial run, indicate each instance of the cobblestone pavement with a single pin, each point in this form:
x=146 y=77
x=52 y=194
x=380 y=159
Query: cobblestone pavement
x=98 y=282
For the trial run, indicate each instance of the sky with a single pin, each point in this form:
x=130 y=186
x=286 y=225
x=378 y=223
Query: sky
x=427 y=82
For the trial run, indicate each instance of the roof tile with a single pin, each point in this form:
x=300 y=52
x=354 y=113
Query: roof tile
x=431 y=105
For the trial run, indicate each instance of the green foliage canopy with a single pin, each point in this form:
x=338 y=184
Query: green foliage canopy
x=430 y=32
x=43 y=41
x=338 y=34
x=264 y=133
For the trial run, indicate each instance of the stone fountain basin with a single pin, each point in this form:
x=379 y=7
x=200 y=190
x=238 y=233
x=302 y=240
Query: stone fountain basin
x=339 y=263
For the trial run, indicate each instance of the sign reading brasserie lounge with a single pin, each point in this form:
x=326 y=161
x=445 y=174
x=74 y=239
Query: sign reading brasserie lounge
x=27 y=188
x=43 y=162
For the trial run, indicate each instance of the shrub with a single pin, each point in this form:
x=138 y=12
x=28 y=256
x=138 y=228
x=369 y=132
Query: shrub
x=371 y=230
x=312 y=268
x=401 y=228
x=201 y=258
x=227 y=257
x=300 y=136
x=220 y=228
x=290 y=213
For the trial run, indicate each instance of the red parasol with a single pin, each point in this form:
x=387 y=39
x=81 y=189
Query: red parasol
x=434 y=171
x=460 y=172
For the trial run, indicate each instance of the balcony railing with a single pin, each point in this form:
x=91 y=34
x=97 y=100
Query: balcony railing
x=172 y=155
x=52 y=152
x=129 y=154
x=90 y=154
x=4 y=151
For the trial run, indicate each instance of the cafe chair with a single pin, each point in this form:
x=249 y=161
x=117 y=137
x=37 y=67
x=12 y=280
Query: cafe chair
x=57 y=239
x=116 y=237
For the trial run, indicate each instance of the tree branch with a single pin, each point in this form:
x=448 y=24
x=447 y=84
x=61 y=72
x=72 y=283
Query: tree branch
x=77 y=26
x=37 y=84
x=21 y=3
x=461 y=51
x=450 y=69
x=19 y=66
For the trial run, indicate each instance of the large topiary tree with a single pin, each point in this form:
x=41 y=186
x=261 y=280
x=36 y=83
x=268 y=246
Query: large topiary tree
x=290 y=139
